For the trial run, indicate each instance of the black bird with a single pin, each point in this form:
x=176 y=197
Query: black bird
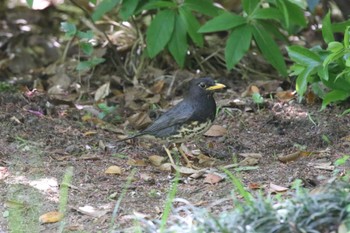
x=188 y=119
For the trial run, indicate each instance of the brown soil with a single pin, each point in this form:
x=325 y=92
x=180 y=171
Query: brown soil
x=37 y=149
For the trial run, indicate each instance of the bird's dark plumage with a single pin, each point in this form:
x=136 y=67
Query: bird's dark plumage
x=188 y=119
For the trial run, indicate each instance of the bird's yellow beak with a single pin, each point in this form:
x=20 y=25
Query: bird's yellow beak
x=217 y=86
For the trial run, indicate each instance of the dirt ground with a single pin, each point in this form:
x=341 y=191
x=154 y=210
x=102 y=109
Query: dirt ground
x=37 y=149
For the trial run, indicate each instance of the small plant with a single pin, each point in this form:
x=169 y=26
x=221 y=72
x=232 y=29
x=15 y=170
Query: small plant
x=323 y=67
x=85 y=44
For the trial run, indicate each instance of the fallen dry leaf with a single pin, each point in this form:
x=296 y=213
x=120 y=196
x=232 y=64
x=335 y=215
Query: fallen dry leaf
x=136 y=162
x=51 y=217
x=254 y=186
x=156 y=160
x=183 y=170
x=216 y=131
x=277 y=189
x=139 y=120
x=158 y=87
x=213 y=178
x=250 y=91
x=91 y=211
x=249 y=162
x=115 y=170
x=285 y=96
x=165 y=167
x=102 y=92
x=251 y=155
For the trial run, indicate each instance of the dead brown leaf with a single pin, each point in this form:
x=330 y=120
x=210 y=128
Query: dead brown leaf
x=216 y=131
x=250 y=91
x=285 y=96
x=156 y=160
x=139 y=120
x=277 y=188
x=114 y=170
x=136 y=162
x=102 y=92
x=51 y=217
x=158 y=87
x=213 y=178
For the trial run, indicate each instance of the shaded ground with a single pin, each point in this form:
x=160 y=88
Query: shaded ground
x=36 y=147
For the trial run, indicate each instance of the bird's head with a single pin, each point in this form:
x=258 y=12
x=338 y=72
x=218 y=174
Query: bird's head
x=204 y=86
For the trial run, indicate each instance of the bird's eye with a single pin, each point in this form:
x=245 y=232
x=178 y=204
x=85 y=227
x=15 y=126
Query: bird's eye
x=202 y=85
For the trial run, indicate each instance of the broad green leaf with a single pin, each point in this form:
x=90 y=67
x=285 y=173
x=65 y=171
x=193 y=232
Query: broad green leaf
x=346 y=37
x=178 y=42
x=272 y=28
x=296 y=69
x=159 y=32
x=296 y=14
x=269 y=49
x=192 y=26
x=268 y=13
x=223 y=22
x=88 y=35
x=249 y=6
x=337 y=82
x=30 y=3
x=281 y=4
x=333 y=57
x=335 y=47
x=327 y=32
x=341 y=26
x=87 y=48
x=333 y=96
x=237 y=45
x=205 y=7
x=128 y=8
x=322 y=72
x=102 y=8
x=85 y=65
x=158 y=5
x=93 y=1
x=69 y=28
x=303 y=56
x=301 y=83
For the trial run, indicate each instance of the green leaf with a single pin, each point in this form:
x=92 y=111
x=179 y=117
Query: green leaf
x=205 y=7
x=250 y=5
x=268 y=13
x=104 y=7
x=178 y=42
x=160 y=31
x=69 y=28
x=335 y=47
x=237 y=45
x=87 y=48
x=346 y=37
x=158 y=5
x=192 y=26
x=88 y=35
x=303 y=56
x=281 y=4
x=327 y=32
x=333 y=96
x=341 y=26
x=296 y=13
x=223 y=22
x=322 y=72
x=269 y=49
x=301 y=83
x=30 y=3
x=85 y=65
x=128 y=8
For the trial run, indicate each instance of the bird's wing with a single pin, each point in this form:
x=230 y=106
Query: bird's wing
x=177 y=115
